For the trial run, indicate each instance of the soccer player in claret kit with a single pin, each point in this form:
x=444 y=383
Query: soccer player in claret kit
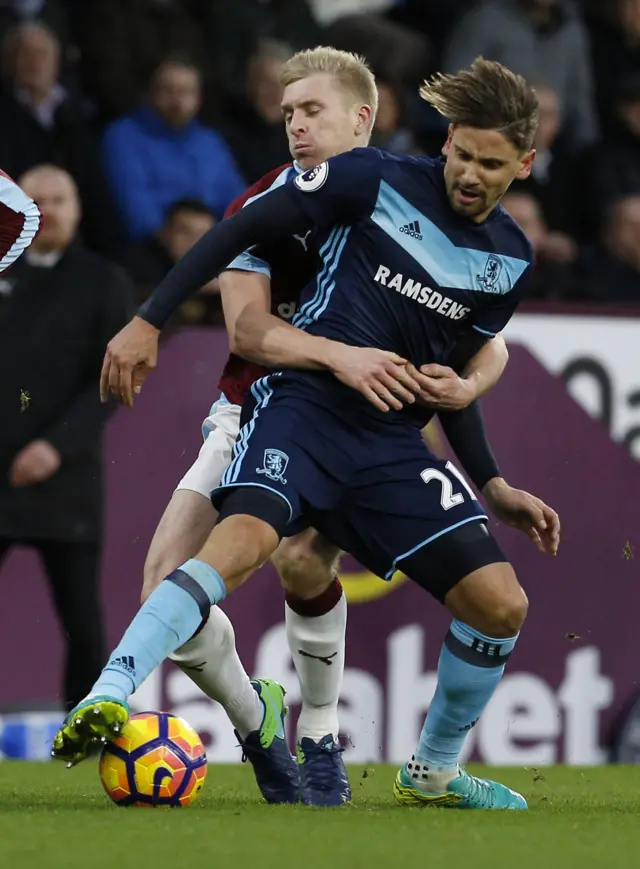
x=419 y=260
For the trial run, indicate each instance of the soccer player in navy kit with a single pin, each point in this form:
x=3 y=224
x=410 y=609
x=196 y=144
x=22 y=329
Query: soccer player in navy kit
x=314 y=453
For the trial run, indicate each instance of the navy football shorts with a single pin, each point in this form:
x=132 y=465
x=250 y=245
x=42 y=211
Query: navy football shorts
x=374 y=491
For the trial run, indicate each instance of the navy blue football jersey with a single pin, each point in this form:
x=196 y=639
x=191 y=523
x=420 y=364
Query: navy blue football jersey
x=400 y=269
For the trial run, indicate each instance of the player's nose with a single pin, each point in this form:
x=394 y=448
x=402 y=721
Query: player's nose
x=469 y=180
x=298 y=124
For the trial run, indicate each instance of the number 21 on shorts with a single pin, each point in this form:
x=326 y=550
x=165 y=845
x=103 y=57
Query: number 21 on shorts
x=448 y=498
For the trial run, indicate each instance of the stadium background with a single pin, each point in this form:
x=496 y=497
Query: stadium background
x=564 y=420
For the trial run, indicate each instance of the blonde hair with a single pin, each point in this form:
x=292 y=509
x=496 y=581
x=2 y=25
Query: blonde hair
x=351 y=70
x=487 y=96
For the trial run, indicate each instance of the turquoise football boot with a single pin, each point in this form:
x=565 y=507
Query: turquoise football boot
x=465 y=791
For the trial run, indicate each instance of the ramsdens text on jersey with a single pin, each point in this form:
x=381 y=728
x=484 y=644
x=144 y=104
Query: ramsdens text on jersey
x=423 y=295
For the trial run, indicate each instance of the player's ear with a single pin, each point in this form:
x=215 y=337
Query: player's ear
x=365 y=114
x=525 y=165
x=447 y=145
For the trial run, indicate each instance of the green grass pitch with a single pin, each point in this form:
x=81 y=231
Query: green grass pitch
x=54 y=817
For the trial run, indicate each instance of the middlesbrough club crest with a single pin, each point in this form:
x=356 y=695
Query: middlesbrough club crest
x=274 y=465
x=490 y=280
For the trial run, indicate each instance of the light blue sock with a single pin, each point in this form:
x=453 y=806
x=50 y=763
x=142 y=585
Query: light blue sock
x=169 y=617
x=469 y=670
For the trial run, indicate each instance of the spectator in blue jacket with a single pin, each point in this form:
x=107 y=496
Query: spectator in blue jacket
x=162 y=153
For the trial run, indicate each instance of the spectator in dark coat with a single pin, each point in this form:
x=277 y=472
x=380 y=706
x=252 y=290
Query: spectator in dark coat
x=59 y=307
x=256 y=134
x=613 y=167
x=234 y=29
x=53 y=13
x=47 y=126
x=554 y=180
x=398 y=53
x=614 y=28
x=391 y=131
x=552 y=272
x=543 y=40
x=123 y=41
x=610 y=271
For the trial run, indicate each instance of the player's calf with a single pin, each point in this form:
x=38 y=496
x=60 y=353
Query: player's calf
x=480 y=589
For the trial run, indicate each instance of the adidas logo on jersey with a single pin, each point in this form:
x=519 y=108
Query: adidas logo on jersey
x=126 y=662
x=421 y=294
x=412 y=229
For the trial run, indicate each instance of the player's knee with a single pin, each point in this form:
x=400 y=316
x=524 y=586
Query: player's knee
x=303 y=570
x=252 y=540
x=509 y=614
x=299 y=573
x=238 y=546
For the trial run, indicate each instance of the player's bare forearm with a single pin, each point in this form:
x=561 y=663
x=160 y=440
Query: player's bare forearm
x=379 y=375
x=238 y=290
x=483 y=370
x=261 y=337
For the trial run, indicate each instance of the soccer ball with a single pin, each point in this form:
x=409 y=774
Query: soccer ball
x=157 y=760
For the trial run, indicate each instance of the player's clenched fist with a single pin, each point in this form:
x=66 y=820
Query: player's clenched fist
x=379 y=375
x=130 y=355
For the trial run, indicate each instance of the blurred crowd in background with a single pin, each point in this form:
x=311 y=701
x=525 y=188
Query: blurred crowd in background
x=162 y=111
